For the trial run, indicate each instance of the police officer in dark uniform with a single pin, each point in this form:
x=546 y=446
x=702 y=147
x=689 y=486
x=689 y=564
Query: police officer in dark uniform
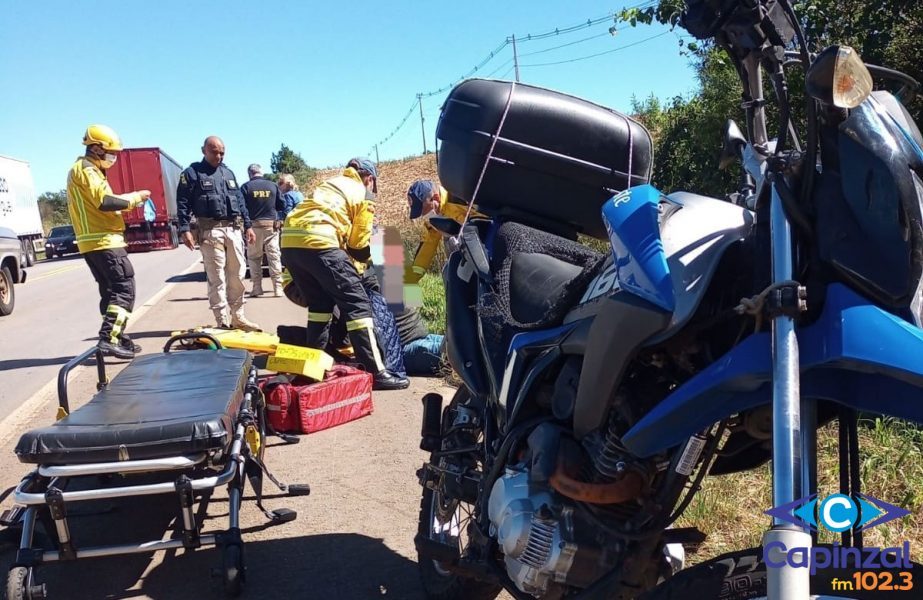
x=265 y=204
x=208 y=191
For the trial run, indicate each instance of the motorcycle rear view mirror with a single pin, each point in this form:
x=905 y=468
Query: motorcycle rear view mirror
x=734 y=144
x=839 y=78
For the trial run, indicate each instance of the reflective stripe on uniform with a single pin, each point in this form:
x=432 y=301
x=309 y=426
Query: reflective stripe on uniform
x=81 y=210
x=92 y=237
x=324 y=231
x=319 y=317
x=121 y=317
x=360 y=324
x=368 y=325
x=320 y=237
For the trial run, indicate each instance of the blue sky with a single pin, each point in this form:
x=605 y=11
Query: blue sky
x=327 y=81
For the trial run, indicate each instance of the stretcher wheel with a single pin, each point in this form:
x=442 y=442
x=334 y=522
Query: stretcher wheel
x=20 y=586
x=233 y=570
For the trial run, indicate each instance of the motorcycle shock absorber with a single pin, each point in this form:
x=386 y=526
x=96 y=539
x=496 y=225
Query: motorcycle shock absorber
x=431 y=433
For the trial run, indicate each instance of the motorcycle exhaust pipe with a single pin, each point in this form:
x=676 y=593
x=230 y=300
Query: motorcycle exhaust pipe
x=431 y=434
x=629 y=486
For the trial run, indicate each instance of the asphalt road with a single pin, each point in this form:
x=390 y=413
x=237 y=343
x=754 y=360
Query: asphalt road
x=354 y=534
x=56 y=316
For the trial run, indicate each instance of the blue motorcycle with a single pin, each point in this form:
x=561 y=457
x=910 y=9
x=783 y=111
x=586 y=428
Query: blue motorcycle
x=600 y=389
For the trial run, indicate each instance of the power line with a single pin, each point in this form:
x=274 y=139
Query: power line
x=533 y=37
x=561 y=62
x=580 y=41
x=399 y=126
x=473 y=70
x=610 y=16
x=530 y=37
x=494 y=72
x=582 y=25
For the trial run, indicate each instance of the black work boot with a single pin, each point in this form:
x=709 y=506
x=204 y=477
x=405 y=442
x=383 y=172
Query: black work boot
x=386 y=380
x=129 y=344
x=115 y=350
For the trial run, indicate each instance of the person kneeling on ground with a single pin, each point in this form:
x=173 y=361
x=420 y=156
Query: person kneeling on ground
x=324 y=240
x=417 y=351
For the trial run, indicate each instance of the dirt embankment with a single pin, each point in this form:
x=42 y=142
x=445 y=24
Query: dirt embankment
x=394 y=177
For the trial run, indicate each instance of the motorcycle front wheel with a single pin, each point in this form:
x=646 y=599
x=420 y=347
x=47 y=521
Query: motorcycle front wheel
x=445 y=522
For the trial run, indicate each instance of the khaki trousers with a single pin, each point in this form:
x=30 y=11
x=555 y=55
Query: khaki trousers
x=223 y=254
x=267 y=241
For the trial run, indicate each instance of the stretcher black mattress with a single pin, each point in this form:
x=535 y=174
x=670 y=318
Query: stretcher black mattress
x=160 y=405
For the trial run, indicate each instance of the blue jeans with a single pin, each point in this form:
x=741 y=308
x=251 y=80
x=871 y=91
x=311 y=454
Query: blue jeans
x=423 y=356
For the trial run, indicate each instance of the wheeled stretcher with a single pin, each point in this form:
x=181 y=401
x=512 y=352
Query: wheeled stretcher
x=179 y=423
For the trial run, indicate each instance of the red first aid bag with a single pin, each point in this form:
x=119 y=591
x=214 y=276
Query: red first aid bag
x=300 y=405
x=280 y=411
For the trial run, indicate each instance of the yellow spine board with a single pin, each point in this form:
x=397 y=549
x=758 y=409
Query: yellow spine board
x=255 y=341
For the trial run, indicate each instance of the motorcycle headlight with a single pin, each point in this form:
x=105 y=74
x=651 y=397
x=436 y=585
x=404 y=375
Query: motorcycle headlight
x=839 y=77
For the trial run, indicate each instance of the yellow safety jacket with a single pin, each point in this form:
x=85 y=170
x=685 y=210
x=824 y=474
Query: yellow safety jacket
x=432 y=236
x=96 y=229
x=339 y=214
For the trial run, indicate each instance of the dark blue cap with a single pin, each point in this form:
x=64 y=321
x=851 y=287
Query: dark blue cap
x=363 y=164
x=420 y=190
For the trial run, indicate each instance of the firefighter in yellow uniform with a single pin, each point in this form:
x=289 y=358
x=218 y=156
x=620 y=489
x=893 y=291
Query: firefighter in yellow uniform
x=95 y=212
x=425 y=197
x=325 y=247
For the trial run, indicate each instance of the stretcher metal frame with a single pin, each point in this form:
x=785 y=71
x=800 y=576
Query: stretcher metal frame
x=46 y=488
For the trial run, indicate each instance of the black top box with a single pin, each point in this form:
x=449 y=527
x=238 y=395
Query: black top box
x=556 y=161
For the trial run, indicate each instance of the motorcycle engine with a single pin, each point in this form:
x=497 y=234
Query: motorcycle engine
x=545 y=547
x=529 y=536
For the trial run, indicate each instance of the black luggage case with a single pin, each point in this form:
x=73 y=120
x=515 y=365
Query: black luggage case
x=557 y=159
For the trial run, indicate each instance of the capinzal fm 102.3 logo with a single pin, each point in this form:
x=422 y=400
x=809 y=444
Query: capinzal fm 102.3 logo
x=838 y=513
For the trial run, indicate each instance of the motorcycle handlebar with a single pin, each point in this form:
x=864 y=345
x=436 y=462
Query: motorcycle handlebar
x=911 y=85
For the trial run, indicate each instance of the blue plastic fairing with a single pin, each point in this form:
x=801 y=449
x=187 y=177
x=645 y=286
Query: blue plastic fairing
x=631 y=219
x=855 y=354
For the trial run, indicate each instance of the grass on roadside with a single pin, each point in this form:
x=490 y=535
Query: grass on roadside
x=433 y=309
x=730 y=508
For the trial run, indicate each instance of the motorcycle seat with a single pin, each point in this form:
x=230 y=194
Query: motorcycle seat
x=536 y=281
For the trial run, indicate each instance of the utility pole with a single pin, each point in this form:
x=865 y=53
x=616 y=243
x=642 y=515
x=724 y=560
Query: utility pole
x=515 y=59
x=376 y=154
x=422 y=126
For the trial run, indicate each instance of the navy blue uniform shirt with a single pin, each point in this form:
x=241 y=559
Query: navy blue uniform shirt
x=209 y=192
x=263 y=198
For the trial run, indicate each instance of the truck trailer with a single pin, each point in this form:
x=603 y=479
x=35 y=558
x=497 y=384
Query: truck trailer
x=148 y=169
x=19 y=206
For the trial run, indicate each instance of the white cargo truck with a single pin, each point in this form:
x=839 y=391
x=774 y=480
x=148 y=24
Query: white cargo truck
x=19 y=205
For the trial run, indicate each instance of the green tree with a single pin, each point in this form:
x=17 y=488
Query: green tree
x=287 y=160
x=52 y=206
x=687 y=132
x=884 y=32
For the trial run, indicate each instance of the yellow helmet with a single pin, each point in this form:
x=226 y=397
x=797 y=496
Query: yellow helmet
x=104 y=136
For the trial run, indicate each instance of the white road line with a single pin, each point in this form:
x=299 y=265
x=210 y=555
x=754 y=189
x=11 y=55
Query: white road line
x=14 y=422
